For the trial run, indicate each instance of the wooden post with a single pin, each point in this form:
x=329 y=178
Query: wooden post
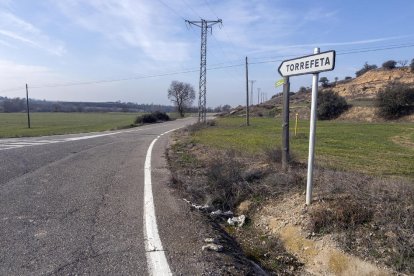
x=285 y=125
x=247 y=94
x=27 y=105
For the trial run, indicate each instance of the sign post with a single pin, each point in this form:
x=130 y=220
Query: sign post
x=285 y=124
x=312 y=131
x=312 y=64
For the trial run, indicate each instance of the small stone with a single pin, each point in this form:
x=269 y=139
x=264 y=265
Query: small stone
x=237 y=221
x=210 y=240
x=212 y=247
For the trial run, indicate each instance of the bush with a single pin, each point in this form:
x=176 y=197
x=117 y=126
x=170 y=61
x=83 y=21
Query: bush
x=339 y=215
x=330 y=105
x=152 y=118
x=348 y=78
x=365 y=69
x=324 y=81
x=161 y=116
x=390 y=64
x=395 y=100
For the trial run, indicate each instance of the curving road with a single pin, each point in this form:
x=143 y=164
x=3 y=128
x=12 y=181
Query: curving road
x=74 y=204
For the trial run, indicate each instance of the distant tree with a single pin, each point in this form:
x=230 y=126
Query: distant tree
x=367 y=67
x=182 y=95
x=302 y=89
x=395 y=100
x=324 y=81
x=14 y=105
x=412 y=65
x=336 y=79
x=389 y=64
x=226 y=108
x=403 y=63
x=348 y=78
x=330 y=105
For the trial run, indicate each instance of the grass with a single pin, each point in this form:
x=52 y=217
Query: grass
x=363 y=147
x=15 y=124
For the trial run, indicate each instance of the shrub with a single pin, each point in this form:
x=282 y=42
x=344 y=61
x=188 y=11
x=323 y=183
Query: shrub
x=154 y=117
x=225 y=179
x=324 y=81
x=146 y=119
x=395 y=100
x=161 y=116
x=302 y=89
x=365 y=69
x=330 y=105
x=390 y=64
x=348 y=78
x=273 y=154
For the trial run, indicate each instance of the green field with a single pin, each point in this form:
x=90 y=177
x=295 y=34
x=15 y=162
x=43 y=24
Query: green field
x=374 y=148
x=15 y=124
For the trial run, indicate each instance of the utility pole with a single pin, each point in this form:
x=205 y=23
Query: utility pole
x=258 y=93
x=204 y=25
x=247 y=93
x=27 y=105
x=251 y=89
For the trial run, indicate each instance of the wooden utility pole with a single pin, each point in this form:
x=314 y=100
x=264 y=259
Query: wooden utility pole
x=251 y=91
x=27 y=105
x=247 y=93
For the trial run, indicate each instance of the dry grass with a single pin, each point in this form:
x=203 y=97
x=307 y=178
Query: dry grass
x=371 y=217
x=374 y=217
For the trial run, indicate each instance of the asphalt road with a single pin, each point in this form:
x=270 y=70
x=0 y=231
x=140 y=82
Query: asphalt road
x=73 y=204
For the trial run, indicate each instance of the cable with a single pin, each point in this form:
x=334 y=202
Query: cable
x=376 y=50
x=225 y=32
x=193 y=70
x=173 y=10
x=350 y=50
x=185 y=3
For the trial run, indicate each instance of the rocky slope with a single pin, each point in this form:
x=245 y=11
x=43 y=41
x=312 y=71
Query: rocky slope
x=368 y=85
x=360 y=92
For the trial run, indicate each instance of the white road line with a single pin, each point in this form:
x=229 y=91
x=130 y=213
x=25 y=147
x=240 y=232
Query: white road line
x=156 y=260
x=8 y=144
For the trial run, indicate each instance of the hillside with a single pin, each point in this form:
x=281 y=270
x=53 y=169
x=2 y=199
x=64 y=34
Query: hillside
x=359 y=92
x=368 y=85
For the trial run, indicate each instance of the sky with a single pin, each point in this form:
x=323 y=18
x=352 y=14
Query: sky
x=131 y=50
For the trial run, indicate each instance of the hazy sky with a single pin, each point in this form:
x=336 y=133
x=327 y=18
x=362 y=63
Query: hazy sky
x=59 y=43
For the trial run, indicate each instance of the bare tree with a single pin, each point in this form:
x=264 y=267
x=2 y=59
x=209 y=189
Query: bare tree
x=182 y=95
x=403 y=62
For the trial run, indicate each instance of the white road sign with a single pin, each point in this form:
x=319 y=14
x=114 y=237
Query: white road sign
x=308 y=64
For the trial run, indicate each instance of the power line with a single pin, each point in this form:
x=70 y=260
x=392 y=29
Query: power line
x=173 y=10
x=217 y=66
x=224 y=29
x=376 y=50
x=191 y=8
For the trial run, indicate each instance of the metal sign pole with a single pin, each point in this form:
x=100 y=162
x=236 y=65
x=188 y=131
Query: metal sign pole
x=312 y=131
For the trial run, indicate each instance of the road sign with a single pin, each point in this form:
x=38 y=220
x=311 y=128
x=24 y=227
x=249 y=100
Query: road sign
x=280 y=82
x=308 y=64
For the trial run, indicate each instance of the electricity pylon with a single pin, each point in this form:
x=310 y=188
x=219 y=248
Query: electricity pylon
x=204 y=25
